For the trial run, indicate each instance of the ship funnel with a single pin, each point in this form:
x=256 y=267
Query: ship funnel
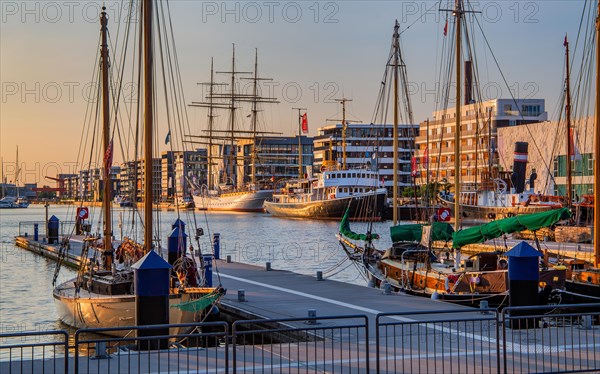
x=469 y=82
x=519 y=166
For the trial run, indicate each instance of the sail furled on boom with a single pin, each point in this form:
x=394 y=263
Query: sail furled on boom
x=495 y=229
x=348 y=233
x=413 y=233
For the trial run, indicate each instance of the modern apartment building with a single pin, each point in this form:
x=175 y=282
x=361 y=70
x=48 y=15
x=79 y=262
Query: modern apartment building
x=480 y=123
x=368 y=145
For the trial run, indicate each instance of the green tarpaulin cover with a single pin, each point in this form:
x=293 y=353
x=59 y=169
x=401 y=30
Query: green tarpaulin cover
x=348 y=233
x=413 y=233
x=198 y=304
x=495 y=229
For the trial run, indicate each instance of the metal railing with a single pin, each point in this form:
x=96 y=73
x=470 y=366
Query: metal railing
x=34 y=352
x=438 y=342
x=316 y=344
x=195 y=347
x=26 y=228
x=557 y=339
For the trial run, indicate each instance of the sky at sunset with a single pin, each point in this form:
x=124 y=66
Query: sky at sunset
x=314 y=51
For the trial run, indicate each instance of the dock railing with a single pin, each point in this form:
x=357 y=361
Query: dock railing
x=196 y=347
x=551 y=338
x=338 y=344
x=34 y=352
x=557 y=339
x=438 y=342
x=26 y=228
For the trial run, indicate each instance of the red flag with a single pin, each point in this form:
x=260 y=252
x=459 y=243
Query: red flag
x=108 y=157
x=413 y=167
x=304 y=124
x=446 y=28
x=425 y=157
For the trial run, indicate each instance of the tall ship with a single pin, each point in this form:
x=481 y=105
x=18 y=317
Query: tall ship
x=224 y=189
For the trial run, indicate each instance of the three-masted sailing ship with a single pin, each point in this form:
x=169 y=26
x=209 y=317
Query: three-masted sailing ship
x=225 y=190
x=103 y=295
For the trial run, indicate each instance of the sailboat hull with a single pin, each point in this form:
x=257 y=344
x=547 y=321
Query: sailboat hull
x=250 y=201
x=332 y=208
x=487 y=213
x=91 y=310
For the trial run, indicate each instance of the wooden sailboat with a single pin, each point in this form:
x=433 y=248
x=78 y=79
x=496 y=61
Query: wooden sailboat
x=411 y=265
x=227 y=192
x=102 y=295
x=583 y=281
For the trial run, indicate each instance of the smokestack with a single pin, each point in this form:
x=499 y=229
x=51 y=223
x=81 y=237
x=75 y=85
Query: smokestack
x=519 y=166
x=468 y=82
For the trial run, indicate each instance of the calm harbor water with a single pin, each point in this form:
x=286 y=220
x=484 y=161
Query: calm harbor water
x=301 y=246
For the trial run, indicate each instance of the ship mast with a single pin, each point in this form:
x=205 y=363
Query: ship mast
x=211 y=105
x=395 y=132
x=457 y=131
x=211 y=123
x=597 y=149
x=148 y=122
x=233 y=97
x=255 y=99
x=17 y=172
x=300 y=173
x=106 y=136
x=344 y=128
x=569 y=135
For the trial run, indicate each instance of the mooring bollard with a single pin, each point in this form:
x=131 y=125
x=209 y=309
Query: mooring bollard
x=229 y=259
x=387 y=288
x=217 y=245
x=151 y=280
x=241 y=296
x=312 y=317
x=483 y=304
x=319 y=275
x=268 y=266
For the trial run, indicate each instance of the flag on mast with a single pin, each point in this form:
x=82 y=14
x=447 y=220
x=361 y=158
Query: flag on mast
x=425 y=161
x=304 y=123
x=108 y=158
x=413 y=167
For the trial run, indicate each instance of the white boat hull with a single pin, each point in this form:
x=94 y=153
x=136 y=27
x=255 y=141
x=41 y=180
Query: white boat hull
x=251 y=201
x=106 y=311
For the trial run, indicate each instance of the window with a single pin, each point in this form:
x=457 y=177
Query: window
x=531 y=110
x=555 y=171
x=591 y=164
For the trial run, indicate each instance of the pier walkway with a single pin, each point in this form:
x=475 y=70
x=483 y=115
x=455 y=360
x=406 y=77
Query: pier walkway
x=287 y=322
